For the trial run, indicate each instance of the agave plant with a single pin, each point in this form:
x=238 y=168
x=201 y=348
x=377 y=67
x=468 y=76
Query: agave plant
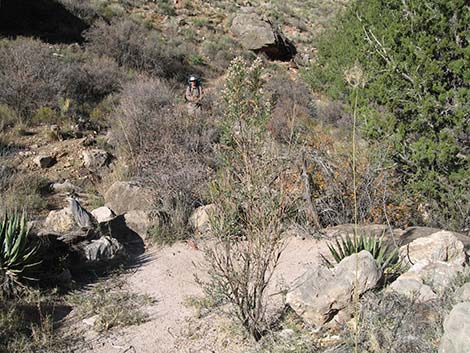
x=384 y=255
x=17 y=252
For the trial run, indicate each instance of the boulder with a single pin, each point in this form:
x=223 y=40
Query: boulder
x=125 y=196
x=44 y=161
x=257 y=34
x=60 y=221
x=104 y=249
x=463 y=293
x=424 y=279
x=95 y=158
x=411 y=286
x=412 y=233
x=200 y=219
x=320 y=293
x=139 y=221
x=439 y=246
x=103 y=214
x=456 y=337
x=66 y=186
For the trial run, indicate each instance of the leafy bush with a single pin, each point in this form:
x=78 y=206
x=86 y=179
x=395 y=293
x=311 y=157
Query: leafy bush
x=17 y=252
x=413 y=54
x=29 y=76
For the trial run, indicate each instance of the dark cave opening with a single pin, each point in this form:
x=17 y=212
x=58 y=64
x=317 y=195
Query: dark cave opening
x=45 y=19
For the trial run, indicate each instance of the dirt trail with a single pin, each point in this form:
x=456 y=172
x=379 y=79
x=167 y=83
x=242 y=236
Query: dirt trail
x=174 y=326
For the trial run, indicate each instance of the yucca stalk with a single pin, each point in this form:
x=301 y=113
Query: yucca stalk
x=17 y=252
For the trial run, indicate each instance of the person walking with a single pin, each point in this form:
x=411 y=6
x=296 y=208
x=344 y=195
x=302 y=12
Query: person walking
x=194 y=95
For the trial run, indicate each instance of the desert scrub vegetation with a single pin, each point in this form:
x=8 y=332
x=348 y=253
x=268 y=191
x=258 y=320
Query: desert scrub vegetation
x=168 y=150
x=251 y=202
x=137 y=47
x=110 y=305
x=20 y=334
x=413 y=103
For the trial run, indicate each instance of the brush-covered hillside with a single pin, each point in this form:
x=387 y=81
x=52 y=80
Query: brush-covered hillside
x=234 y=176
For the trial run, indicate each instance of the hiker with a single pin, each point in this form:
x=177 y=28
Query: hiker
x=194 y=95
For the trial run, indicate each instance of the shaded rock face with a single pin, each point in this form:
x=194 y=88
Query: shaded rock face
x=456 y=337
x=46 y=19
x=259 y=35
x=321 y=293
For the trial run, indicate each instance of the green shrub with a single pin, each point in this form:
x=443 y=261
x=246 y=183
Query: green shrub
x=17 y=252
x=413 y=54
x=46 y=115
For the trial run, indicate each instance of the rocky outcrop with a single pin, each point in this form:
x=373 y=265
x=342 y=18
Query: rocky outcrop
x=125 y=196
x=259 y=35
x=456 y=337
x=439 y=246
x=321 y=293
x=435 y=260
x=200 y=219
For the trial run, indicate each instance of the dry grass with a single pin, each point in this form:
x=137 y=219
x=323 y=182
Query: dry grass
x=110 y=304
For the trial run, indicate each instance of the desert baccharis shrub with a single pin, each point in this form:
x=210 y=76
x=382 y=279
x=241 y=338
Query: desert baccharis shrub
x=414 y=99
x=251 y=205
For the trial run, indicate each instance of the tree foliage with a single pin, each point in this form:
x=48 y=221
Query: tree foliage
x=415 y=101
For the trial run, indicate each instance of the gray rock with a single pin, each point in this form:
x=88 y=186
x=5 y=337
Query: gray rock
x=66 y=186
x=440 y=246
x=257 y=34
x=411 y=286
x=103 y=214
x=456 y=337
x=82 y=218
x=321 y=292
x=463 y=293
x=124 y=196
x=95 y=158
x=104 y=249
x=44 y=161
x=423 y=280
x=200 y=219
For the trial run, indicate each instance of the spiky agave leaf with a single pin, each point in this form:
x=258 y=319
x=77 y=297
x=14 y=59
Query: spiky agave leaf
x=17 y=252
